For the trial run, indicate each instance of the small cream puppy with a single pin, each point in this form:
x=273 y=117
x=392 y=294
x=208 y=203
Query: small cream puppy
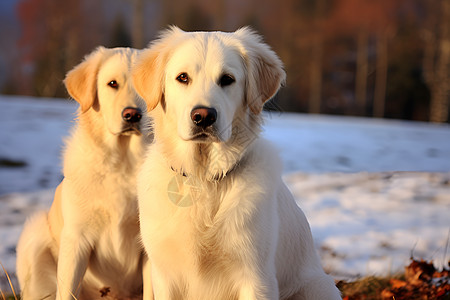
x=87 y=246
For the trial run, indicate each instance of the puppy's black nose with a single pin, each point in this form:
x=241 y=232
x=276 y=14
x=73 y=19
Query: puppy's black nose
x=204 y=116
x=131 y=114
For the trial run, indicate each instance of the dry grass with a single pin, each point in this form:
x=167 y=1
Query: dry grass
x=368 y=288
x=8 y=297
x=420 y=281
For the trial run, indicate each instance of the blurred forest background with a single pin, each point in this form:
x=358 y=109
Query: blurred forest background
x=380 y=58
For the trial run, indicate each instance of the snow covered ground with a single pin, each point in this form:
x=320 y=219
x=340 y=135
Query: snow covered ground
x=374 y=191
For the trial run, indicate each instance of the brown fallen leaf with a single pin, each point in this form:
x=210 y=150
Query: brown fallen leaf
x=397 y=283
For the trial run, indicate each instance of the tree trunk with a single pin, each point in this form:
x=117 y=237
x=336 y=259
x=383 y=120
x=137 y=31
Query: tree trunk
x=362 y=70
x=220 y=12
x=137 y=34
x=440 y=85
x=315 y=97
x=381 y=75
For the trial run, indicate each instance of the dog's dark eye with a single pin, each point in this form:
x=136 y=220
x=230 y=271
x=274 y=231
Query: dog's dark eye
x=183 y=78
x=226 y=80
x=113 y=84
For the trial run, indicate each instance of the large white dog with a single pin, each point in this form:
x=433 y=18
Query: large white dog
x=216 y=219
x=87 y=246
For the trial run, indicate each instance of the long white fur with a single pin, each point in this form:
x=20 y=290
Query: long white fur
x=88 y=243
x=238 y=233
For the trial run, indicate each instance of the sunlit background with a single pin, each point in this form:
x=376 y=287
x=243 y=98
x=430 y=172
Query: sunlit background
x=378 y=58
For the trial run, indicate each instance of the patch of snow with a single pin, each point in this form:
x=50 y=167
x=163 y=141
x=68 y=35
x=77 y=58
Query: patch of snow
x=32 y=132
x=371 y=223
x=319 y=144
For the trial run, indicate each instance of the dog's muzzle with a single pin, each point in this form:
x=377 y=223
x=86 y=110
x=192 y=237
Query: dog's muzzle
x=132 y=116
x=204 y=118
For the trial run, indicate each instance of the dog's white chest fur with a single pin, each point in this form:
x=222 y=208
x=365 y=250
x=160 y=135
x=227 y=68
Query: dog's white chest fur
x=199 y=245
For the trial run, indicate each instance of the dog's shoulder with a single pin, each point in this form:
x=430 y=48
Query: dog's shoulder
x=263 y=156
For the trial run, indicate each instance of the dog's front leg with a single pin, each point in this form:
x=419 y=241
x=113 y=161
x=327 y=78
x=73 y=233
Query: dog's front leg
x=257 y=289
x=257 y=258
x=147 y=278
x=73 y=260
x=161 y=286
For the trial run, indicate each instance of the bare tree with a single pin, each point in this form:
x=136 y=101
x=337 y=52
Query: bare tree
x=220 y=14
x=315 y=96
x=381 y=74
x=137 y=32
x=316 y=73
x=362 y=68
x=437 y=59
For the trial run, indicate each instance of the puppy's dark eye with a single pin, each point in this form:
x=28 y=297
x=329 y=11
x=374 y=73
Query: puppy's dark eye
x=113 y=84
x=226 y=80
x=183 y=78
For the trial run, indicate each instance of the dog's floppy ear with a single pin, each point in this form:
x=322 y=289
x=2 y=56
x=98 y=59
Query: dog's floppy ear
x=148 y=77
x=81 y=81
x=265 y=73
x=149 y=71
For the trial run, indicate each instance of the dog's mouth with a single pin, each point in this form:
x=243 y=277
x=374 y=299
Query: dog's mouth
x=130 y=130
x=204 y=136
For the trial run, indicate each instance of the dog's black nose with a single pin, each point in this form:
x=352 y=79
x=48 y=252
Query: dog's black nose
x=131 y=114
x=204 y=116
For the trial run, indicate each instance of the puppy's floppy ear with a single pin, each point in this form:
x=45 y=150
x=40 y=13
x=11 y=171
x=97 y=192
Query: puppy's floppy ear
x=149 y=71
x=81 y=81
x=265 y=73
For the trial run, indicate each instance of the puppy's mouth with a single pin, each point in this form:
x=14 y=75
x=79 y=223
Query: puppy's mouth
x=130 y=130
